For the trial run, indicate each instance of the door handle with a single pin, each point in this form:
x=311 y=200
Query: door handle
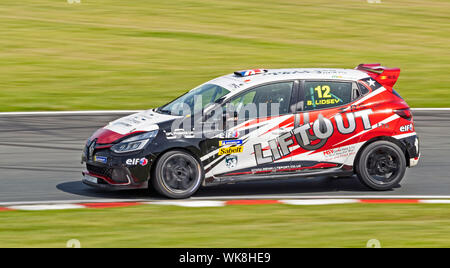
x=280 y=131
x=296 y=120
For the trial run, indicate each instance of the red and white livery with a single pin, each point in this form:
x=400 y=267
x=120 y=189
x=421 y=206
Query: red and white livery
x=284 y=123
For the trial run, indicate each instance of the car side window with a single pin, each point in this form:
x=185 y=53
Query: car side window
x=364 y=90
x=268 y=100
x=209 y=95
x=325 y=94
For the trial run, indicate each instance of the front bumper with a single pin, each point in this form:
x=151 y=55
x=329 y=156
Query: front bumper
x=97 y=181
x=104 y=169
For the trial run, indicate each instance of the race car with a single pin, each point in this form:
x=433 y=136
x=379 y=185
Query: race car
x=262 y=124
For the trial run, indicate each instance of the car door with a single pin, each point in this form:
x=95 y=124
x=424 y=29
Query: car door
x=321 y=124
x=256 y=119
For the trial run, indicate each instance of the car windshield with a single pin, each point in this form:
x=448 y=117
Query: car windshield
x=195 y=100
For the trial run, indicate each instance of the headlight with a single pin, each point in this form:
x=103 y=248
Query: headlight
x=135 y=143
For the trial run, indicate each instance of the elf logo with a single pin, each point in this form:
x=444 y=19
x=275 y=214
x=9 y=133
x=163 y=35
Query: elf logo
x=137 y=161
x=406 y=128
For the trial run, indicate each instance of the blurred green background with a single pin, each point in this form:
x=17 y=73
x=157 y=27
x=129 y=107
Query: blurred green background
x=116 y=54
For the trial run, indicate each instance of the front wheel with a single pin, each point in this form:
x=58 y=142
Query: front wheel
x=381 y=165
x=177 y=174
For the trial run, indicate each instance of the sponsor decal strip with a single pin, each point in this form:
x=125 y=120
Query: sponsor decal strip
x=217 y=203
x=274 y=169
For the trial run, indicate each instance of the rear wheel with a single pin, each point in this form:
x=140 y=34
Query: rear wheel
x=177 y=174
x=381 y=165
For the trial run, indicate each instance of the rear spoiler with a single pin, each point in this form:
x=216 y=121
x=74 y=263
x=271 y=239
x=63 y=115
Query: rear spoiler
x=385 y=76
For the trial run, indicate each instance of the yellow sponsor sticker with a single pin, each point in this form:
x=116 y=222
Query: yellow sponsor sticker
x=323 y=102
x=231 y=150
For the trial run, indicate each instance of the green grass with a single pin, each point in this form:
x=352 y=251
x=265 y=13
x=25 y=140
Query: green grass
x=115 y=54
x=233 y=226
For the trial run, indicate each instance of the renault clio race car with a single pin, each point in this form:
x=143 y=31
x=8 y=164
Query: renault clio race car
x=262 y=124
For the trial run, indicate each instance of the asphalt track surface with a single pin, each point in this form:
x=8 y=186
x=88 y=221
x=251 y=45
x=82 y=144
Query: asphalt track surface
x=40 y=161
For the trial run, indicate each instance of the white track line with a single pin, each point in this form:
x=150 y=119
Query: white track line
x=216 y=203
x=221 y=198
x=306 y=202
x=70 y=113
x=135 y=111
x=46 y=207
x=430 y=109
x=434 y=201
x=303 y=197
x=191 y=204
x=56 y=202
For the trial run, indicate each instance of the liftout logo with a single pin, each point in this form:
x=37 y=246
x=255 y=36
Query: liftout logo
x=323 y=129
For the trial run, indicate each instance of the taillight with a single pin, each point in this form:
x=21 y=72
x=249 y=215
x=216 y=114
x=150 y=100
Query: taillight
x=404 y=113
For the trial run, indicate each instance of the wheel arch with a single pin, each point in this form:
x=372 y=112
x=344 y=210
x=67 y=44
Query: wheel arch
x=190 y=150
x=381 y=138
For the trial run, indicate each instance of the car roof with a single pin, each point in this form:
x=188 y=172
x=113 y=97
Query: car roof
x=234 y=82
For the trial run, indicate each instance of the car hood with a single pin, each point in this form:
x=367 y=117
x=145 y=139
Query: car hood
x=135 y=123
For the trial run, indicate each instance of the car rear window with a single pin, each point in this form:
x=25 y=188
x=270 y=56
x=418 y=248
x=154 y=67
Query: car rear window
x=363 y=89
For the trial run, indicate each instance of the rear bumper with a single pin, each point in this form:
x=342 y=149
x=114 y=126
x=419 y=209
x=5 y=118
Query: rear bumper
x=414 y=161
x=412 y=148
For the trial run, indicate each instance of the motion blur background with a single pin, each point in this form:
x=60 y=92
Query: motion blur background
x=116 y=54
x=139 y=54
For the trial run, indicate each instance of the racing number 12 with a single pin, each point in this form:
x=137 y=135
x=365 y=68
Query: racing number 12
x=323 y=91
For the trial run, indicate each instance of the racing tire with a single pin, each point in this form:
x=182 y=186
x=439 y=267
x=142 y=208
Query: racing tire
x=381 y=165
x=177 y=175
